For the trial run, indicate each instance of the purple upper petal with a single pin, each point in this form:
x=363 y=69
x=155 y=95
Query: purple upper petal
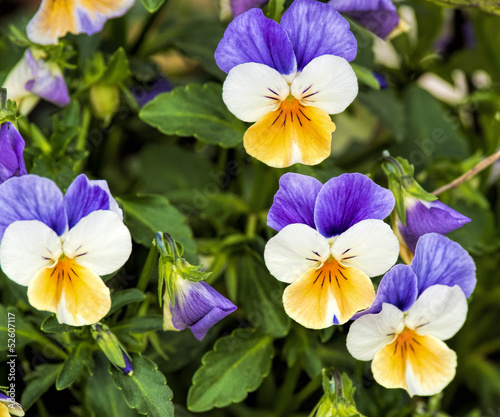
x=4 y=396
x=346 y=200
x=439 y=260
x=378 y=16
x=31 y=197
x=46 y=83
x=317 y=29
x=82 y=198
x=398 y=287
x=199 y=307
x=294 y=201
x=252 y=37
x=11 y=152
x=240 y=6
x=424 y=217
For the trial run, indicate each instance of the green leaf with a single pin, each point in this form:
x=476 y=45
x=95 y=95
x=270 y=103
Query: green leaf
x=152 y=5
x=260 y=294
x=73 y=366
x=125 y=297
x=39 y=381
x=141 y=324
x=366 y=76
x=275 y=9
x=147 y=214
x=102 y=398
x=236 y=366
x=197 y=111
x=118 y=68
x=51 y=325
x=146 y=390
x=25 y=332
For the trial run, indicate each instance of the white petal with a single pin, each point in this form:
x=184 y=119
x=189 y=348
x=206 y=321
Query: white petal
x=251 y=90
x=327 y=82
x=372 y=332
x=369 y=246
x=294 y=250
x=15 y=85
x=99 y=241
x=440 y=311
x=27 y=248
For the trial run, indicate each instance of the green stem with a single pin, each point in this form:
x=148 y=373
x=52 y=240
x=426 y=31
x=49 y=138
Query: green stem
x=3 y=98
x=148 y=269
x=312 y=386
x=287 y=389
x=145 y=29
x=251 y=226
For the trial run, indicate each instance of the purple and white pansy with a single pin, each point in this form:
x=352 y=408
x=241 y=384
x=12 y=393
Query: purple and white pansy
x=33 y=79
x=58 y=245
x=196 y=305
x=288 y=78
x=331 y=240
x=424 y=217
x=54 y=19
x=417 y=307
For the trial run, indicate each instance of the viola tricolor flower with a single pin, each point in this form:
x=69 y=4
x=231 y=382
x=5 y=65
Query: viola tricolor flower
x=378 y=16
x=288 y=78
x=424 y=217
x=417 y=307
x=11 y=151
x=58 y=246
x=196 y=305
x=187 y=301
x=8 y=406
x=54 y=19
x=331 y=240
x=32 y=79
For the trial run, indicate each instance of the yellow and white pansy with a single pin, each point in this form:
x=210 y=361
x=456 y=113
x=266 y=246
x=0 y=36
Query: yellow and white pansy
x=59 y=246
x=331 y=241
x=417 y=308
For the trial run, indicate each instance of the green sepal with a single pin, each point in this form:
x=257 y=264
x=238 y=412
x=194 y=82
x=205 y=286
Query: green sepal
x=109 y=344
x=8 y=110
x=338 y=399
x=400 y=174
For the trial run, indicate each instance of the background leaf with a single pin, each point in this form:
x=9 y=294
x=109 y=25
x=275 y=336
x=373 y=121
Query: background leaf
x=146 y=390
x=237 y=365
x=196 y=111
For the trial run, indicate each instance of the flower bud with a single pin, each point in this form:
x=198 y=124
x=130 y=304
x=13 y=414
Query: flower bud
x=112 y=348
x=188 y=301
x=105 y=100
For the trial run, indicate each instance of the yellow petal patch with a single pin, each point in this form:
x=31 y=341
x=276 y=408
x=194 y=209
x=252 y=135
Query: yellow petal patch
x=293 y=133
x=4 y=410
x=331 y=290
x=77 y=295
x=423 y=365
x=104 y=7
x=55 y=18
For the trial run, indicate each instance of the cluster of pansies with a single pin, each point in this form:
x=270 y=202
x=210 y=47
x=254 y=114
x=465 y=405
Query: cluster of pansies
x=286 y=79
x=332 y=238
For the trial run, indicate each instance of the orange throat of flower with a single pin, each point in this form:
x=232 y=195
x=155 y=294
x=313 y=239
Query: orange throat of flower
x=292 y=133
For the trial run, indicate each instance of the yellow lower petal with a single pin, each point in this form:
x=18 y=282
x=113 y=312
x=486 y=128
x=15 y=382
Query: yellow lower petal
x=56 y=18
x=77 y=295
x=332 y=290
x=423 y=365
x=4 y=410
x=293 y=133
x=105 y=7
